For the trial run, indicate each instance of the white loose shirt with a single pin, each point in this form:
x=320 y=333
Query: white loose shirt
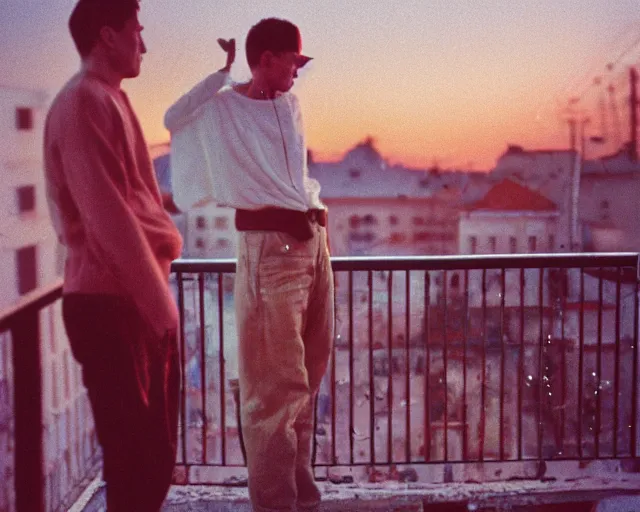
x=238 y=151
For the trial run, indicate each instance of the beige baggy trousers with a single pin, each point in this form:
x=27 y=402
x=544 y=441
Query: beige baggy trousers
x=284 y=306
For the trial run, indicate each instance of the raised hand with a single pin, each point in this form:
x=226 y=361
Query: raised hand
x=229 y=47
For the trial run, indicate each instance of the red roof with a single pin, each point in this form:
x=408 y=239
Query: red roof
x=511 y=196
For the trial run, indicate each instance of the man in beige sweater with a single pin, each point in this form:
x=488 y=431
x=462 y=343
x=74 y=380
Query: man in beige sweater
x=118 y=310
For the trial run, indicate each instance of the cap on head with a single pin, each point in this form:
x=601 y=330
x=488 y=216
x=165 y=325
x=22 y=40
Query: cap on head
x=275 y=35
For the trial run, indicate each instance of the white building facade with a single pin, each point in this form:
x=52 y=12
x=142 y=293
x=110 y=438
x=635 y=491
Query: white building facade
x=32 y=258
x=27 y=240
x=551 y=173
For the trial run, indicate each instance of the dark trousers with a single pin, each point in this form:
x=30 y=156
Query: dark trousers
x=132 y=379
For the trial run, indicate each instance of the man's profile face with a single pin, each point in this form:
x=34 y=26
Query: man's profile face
x=128 y=48
x=283 y=70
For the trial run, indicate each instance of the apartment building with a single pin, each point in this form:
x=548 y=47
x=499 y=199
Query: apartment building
x=31 y=258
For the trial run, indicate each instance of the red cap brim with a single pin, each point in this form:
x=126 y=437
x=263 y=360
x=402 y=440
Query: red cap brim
x=302 y=60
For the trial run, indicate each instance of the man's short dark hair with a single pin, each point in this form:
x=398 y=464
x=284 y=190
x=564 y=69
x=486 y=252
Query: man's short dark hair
x=89 y=16
x=271 y=34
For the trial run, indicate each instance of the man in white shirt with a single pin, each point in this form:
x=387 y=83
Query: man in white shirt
x=243 y=146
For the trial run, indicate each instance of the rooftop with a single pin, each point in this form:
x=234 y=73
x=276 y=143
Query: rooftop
x=511 y=196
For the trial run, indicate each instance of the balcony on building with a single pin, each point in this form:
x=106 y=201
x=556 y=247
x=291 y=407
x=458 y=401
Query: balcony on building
x=477 y=382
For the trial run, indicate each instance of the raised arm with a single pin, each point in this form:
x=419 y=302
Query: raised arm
x=96 y=176
x=183 y=110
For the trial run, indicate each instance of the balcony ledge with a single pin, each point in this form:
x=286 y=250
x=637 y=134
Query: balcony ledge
x=396 y=497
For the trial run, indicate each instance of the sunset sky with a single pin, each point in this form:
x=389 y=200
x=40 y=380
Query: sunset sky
x=452 y=81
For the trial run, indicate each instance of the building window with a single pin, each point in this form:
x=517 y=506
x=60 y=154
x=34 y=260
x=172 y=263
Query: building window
x=199 y=243
x=397 y=238
x=24 y=119
x=493 y=244
x=393 y=220
x=222 y=223
x=66 y=376
x=533 y=244
x=362 y=237
x=201 y=222
x=513 y=244
x=354 y=173
x=473 y=244
x=552 y=243
x=222 y=243
x=370 y=220
x=54 y=387
x=354 y=222
x=26 y=199
x=418 y=221
x=27 y=271
x=421 y=236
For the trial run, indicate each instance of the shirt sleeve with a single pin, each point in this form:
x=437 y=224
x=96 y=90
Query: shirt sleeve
x=96 y=176
x=184 y=110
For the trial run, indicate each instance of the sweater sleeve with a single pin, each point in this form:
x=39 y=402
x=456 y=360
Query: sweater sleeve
x=183 y=111
x=96 y=176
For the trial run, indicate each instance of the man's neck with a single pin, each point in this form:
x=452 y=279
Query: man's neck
x=102 y=71
x=260 y=91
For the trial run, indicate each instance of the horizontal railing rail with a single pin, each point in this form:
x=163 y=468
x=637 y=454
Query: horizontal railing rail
x=498 y=261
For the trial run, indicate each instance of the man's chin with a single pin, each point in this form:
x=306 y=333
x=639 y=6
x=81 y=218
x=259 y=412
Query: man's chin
x=133 y=73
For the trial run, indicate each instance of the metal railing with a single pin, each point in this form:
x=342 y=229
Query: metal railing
x=439 y=360
x=41 y=474
x=436 y=360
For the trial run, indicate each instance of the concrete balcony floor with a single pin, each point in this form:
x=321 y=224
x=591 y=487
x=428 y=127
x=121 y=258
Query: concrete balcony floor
x=552 y=494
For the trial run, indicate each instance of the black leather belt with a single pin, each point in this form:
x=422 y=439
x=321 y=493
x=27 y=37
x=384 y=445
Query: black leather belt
x=293 y=222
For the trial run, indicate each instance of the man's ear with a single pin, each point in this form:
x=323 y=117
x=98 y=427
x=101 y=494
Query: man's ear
x=107 y=36
x=266 y=58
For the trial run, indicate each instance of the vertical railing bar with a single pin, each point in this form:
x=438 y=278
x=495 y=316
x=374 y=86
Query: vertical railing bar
x=563 y=399
x=599 y=368
x=183 y=364
x=465 y=441
x=503 y=292
x=203 y=364
x=540 y=358
x=445 y=362
x=407 y=365
x=581 y=364
x=427 y=387
x=334 y=453
x=222 y=367
x=372 y=390
x=390 y=372
x=634 y=383
x=29 y=455
x=351 y=383
x=616 y=375
x=521 y=375
x=483 y=394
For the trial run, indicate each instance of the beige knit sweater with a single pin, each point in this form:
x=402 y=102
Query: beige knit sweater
x=105 y=202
